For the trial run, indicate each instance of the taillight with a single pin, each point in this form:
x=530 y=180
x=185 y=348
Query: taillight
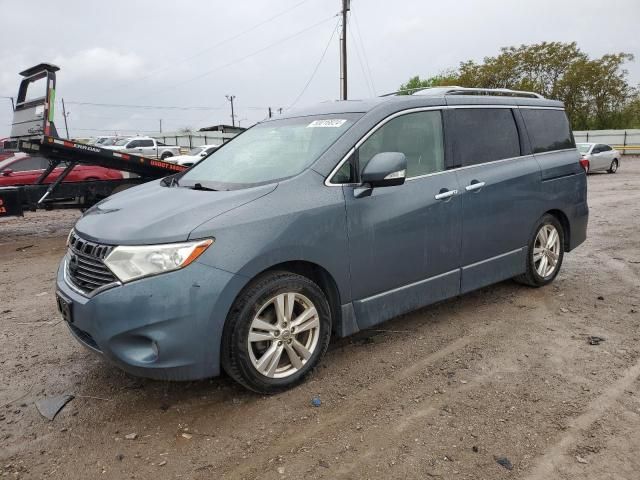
x=584 y=163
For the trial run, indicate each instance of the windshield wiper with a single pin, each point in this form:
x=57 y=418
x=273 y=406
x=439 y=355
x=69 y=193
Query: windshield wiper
x=198 y=186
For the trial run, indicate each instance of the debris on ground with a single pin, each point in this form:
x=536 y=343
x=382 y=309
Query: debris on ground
x=600 y=297
x=188 y=436
x=595 y=340
x=323 y=463
x=316 y=402
x=22 y=249
x=49 y=407
x=504 y=462
x=475 y=449
x=131 y=436
x=580 y=459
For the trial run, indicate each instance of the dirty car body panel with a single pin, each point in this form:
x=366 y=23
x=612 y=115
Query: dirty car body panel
x=383 y=251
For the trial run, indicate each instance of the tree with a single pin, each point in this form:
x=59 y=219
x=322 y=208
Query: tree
x=416 y=83
x=595 y=92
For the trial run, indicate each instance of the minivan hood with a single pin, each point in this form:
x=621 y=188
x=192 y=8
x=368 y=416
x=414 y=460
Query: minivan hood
x=153 y=213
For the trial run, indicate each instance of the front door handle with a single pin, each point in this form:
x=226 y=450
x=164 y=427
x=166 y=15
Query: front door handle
x=474 y=186
x=446 y=194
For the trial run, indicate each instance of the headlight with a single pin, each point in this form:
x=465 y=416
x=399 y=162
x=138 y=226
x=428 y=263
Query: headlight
x=132 y=262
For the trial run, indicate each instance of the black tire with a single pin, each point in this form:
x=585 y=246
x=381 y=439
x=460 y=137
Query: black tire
x=166 y=155
x=531 y=277
x=235 y=356
x=614 y=166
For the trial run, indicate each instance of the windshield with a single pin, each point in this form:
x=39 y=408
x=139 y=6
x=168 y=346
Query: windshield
x=583 y=147
x=109 y=141
x=195 y=151
x=6 y=161
x=269 y=151
x=122 y=142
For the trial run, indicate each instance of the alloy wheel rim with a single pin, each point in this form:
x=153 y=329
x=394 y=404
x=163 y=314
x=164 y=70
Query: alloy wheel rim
x=614 y=166
x=283 y=335
x=546 y=250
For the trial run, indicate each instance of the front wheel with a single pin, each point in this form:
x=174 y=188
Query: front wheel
x=613 y=168
x=276 y=332
x=545 y=253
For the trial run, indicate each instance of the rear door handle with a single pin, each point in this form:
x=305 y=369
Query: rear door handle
x=474 y=186
x=445 y=195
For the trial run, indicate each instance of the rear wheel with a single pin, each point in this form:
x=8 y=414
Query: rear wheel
x=545 y=253
x=276 y=332
x=614 y=166
x=166 y=155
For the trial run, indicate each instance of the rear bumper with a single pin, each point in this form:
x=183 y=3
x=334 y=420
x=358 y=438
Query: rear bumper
x=166 y=327
x=579 y=222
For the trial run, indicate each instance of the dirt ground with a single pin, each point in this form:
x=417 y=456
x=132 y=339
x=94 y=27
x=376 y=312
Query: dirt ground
x=443 y=392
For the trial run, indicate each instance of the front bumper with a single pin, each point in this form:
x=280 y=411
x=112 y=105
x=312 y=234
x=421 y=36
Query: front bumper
x=166 y=327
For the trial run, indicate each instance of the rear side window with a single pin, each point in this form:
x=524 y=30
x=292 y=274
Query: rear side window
x=483 y=135
x=30 y=163
x=417 y=135
x=548 y=129
x=145 y=143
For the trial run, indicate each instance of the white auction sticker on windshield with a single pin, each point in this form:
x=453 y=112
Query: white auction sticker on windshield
x=332 y=123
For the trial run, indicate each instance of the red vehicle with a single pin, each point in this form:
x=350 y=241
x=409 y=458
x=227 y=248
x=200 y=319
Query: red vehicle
x=23 y=169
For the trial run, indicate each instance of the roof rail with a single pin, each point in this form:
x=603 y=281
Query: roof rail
x=454 y=90
x=506 y=92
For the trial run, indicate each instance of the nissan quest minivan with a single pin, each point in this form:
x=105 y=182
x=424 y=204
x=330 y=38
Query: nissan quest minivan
x=322 y=223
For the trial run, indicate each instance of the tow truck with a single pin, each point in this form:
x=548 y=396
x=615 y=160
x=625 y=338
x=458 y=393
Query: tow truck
x=33 y=131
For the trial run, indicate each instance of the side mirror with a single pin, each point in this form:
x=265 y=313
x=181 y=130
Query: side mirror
x=385 y=169
x=203 y=154
x=6 y=172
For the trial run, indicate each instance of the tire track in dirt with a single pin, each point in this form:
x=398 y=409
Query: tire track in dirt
x=557 y=453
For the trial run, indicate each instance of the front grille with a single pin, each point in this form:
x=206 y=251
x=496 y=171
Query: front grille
x=85 y=265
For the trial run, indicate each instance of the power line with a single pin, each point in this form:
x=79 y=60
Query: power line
x=147 y=107
x=315 y=70
x=233 y=62
x=364 y=52
x=208 y=49
x=154 y=107
x=364 y=74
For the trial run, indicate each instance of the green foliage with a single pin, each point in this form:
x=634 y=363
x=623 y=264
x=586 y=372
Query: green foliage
x=416 y=83
x=595 y=92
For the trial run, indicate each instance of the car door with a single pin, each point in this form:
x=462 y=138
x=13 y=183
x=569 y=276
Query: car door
x=598 y=157
x=133 y=147
x=147 y=148
x=498 y=185
x=607 y=154
x=404 y=240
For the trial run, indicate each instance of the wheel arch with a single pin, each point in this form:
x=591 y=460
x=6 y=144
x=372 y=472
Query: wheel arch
x=566 y=226
x=321 y=277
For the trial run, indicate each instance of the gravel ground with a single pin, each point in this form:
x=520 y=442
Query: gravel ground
x=503 y=372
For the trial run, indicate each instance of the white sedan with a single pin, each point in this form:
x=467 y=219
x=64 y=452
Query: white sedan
x=600 y=157
x=194 y=156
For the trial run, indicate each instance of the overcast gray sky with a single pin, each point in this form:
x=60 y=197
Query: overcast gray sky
x=184 y=54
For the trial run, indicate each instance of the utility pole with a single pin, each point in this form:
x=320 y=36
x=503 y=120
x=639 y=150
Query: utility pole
x=269 y=112
x=231 y=98
x=160 y=125
x=64 y=114
x=346 y=6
